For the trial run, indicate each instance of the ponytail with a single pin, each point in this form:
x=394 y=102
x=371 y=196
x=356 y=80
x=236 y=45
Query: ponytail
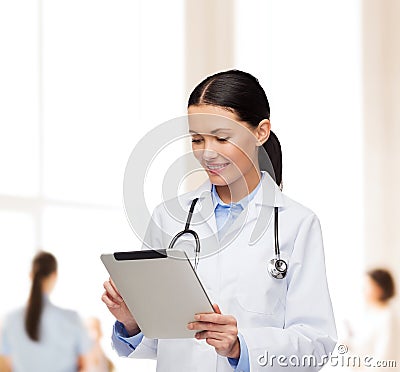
x=273 y=148
x=44 y=264
x=34 y=310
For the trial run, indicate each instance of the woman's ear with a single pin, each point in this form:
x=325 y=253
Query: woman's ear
x=262 y=131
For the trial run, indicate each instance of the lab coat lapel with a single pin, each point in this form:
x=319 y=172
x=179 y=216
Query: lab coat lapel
x=204 y=209
x=268 y=197
x=259 y=212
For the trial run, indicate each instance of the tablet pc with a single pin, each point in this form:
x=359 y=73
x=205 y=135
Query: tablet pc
x=160 y=288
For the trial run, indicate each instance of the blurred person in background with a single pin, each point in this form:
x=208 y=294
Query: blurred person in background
x=3 y=362
x=3 y=365
x=42 y=337
x=377 y=334
x=97 y=361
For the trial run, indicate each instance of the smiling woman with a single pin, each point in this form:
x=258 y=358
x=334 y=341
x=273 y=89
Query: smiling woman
x=254 y=310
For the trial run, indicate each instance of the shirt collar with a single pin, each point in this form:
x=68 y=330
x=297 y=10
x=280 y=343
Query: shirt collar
x=270 y=195
x=217 y=202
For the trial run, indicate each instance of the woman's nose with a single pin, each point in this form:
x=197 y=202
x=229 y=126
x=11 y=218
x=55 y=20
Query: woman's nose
x=209 y=154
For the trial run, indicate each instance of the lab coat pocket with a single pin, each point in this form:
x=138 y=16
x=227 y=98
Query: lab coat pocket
x=259 y=293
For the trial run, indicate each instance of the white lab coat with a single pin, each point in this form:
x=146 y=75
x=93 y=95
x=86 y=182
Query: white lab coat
x=290 y=317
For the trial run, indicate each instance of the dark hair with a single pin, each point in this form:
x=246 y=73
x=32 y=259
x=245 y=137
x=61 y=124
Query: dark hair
x=385 y=281
x=44 y=264
x=242 y=94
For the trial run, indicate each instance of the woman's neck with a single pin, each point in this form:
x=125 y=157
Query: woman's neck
x=48 y=284
x=239 y=188
x=376 y=304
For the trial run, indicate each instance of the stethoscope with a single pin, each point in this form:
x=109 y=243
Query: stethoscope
x=277 y=267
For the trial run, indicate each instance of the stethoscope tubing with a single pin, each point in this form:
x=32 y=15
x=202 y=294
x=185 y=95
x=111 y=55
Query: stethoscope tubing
x=279 y=266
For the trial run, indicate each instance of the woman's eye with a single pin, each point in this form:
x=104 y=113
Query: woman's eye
x=196 y=140
x=222 y=139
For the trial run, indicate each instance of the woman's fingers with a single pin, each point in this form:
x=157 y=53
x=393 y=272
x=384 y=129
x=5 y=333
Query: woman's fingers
x=114 y=286
x=218 y=330
x=112 y=292
x=210 y=334
x=108 y=301
x=215 y=318
x=213 y=327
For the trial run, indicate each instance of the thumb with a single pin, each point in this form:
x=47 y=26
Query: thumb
x=217 y=309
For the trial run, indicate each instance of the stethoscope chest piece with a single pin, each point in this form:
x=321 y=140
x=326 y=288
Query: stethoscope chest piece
x=277 y=268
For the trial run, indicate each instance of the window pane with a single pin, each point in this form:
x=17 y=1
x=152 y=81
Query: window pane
x=19 y=92
x=90 y=97
x=105 y=86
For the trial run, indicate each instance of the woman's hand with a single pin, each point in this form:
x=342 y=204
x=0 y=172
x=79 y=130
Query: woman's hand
x=117 y=306
x=219 y=331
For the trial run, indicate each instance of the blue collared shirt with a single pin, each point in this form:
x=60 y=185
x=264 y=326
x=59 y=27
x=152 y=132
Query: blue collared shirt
x=225 y=215
x=63 y=338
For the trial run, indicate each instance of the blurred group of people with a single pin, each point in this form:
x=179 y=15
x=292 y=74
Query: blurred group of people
x=43 y=337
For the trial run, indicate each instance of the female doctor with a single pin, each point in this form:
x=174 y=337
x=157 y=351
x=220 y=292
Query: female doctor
x=272 y=308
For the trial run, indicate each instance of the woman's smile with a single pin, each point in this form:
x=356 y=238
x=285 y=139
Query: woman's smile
x=216 y=168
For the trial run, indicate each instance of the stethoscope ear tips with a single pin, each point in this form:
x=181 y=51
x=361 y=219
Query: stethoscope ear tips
x=277 y=268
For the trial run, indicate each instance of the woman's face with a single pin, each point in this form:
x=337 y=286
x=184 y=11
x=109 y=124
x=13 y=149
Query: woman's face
x=225 y=147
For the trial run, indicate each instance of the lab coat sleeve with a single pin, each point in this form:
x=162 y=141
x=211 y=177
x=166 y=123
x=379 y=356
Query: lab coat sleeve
x=309 y=332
